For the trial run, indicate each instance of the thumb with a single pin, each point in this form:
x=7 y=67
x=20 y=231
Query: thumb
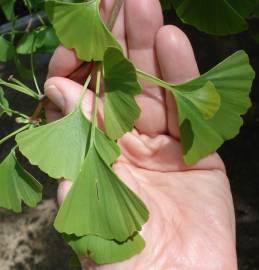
x=65 y=94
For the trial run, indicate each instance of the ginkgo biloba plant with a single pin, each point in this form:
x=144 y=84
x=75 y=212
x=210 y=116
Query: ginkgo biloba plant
x=101 y=217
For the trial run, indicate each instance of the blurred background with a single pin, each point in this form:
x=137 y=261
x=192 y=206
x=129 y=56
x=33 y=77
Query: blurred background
x=28 y=240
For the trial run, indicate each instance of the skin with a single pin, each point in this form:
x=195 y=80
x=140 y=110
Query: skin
x=192 y=223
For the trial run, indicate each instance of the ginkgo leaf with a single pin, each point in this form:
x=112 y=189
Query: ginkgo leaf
x=8 y=8
x=43 y=40
x=100 y=204
x=103 y=251
x=17 y=185
x=206 y=99
x=166 y=4
x=86 y=18
x=220 y=17
x=4 y=104
x=64 y=145
x=233 y=80
x=7 y=50
x=121 y=86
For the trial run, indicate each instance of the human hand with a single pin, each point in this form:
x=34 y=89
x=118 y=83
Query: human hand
x=191 y=224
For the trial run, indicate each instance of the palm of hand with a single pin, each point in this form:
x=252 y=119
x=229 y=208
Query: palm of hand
x=191 y=224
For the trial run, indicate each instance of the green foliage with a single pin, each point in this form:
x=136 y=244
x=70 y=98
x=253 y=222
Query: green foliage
x=88 y=47
x=43 y=40
x=7 y=50
x=218 y=17
x=4 y=104
x=7 y=7
x=71 y=132
x=103 y=251
x=17 y=185
x=102 y=205
x=121 y=85
x=232 y=79
x=101 y=217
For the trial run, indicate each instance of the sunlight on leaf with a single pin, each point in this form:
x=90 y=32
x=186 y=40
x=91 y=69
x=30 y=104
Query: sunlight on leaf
x=73 y=20
x=233 y=80
x=17 y=185
x=103 y=251
x=121 y=86
x=64 y=145
x=206 y=99
x=102 y=204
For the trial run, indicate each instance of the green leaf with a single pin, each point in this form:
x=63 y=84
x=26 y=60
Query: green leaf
x=4 y=104
x=100 y=204
x=21 y=89
x=233 y=80
x=65 y=143
x=23 y=71
x=71 y=22
x=8 y=8
x=17 y=185
x=47 y=40
x=43 y=40
x=7 y=51
x=244 y=8
x=103 y=251
x=166 y=4
x=206 y=99
x=27 y=44
x=121 y=86
x=219 y=17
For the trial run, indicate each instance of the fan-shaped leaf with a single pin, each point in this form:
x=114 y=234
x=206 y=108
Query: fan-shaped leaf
x=218 y=17
x=103 y=251
x=86 y=19
x=232 y=79
x=100 y=204
x=64 y=145
x=121 y=85
x=17 y=185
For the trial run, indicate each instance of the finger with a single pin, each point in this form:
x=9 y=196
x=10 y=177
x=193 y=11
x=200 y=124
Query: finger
x=141 y=32
x=177 y=64
x=63 y=189
x=63 y=62
x=65 y=94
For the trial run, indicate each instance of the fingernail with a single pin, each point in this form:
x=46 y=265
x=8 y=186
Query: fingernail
x=55 y=96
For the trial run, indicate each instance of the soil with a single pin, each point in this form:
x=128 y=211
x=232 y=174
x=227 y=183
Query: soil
x=28 y=241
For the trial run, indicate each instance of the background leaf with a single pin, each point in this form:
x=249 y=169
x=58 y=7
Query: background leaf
x=17 y=185
x=4 y=104
x=219 y=17
x=85 y=17
x=121 y=86
x=7 y=50
x=103 y=251
x=43 y=40
x=8 y=8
